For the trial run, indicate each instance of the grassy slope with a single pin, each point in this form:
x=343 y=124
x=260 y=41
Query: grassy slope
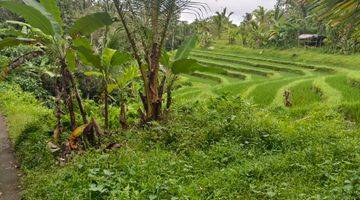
x=20 y=109
x=221 y=149
x=341 y=83
x=269 y=90
x=265 y=93
x=311 y=56
x=305 y=94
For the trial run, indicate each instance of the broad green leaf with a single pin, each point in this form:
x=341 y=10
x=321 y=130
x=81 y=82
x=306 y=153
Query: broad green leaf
x=107 y=56
x=40 y=35
x=9 y=42
x=120 y=58
x=71 y=59
x=93 y=73
x=165 y=60
x=90 y=23
x=31 y=16
x=86 y=54
x=53 y=9
x=55 y=24
x=88 y=57
x=82 y=42
x=128 y=75
x=184 y=50
x=185 y=66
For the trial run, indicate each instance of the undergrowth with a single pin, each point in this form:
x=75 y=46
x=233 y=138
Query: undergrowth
x=224 y=148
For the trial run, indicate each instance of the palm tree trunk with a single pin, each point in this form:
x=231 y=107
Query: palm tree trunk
x=169 y=93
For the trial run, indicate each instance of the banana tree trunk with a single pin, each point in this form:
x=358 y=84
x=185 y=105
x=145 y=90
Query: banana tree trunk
x=106 y=112
x=58 y=113
x=78 y=99
x=68 y=98
x=122 y=117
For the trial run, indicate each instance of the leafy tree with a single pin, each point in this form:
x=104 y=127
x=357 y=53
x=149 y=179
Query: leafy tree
x=146 y=24
x=45 y=24
x=339 y=11
x=106 y=66
x=221 y=19
x=177 y=64
x=343 y=20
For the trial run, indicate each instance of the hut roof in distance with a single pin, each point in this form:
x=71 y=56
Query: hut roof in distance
x=310 y=36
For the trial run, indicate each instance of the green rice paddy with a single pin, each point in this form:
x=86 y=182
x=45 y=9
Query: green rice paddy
x=263 y=77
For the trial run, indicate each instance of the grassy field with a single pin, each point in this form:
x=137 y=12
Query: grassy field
x=223 y=148
x=311 y=77
x=212 y=148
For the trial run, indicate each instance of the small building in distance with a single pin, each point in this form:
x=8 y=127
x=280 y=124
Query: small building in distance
x=313 y=40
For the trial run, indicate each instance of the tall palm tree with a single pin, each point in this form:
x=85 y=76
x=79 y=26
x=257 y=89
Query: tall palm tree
x=220 y=20
x=146 y=23
x=260 y=15
x=339 y=11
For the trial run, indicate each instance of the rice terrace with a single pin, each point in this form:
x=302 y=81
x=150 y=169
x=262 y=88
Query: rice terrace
x=179 y=99
x=264 y=75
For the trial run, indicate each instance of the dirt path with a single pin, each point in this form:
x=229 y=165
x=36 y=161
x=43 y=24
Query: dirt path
x=9 y=187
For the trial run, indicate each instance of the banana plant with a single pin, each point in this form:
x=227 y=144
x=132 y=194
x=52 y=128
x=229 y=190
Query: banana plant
x=106 y=66
x=179 y=63
x=43 y=19
x=121 y=83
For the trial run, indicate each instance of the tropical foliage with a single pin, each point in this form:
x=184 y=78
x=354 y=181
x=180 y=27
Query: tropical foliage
x=120 y=99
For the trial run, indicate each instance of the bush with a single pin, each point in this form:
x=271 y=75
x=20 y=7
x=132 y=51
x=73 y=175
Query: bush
x=224 y=148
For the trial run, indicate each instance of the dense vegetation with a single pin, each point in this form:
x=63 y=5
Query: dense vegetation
x=121 y=100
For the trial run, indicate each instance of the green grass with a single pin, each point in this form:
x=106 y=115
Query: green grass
x=19 y=108
x=351 y=111
x=247 y=63
x=234 y=89
x=342 y=84
x=305 y=94
x=223 y=148
x=268 y=71
x=199 y=80
x=235 y=67
x=266 y=62
x=264 y=94
x=303 y=55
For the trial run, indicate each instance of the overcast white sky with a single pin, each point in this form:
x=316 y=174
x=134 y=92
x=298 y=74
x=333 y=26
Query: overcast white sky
x=239 y=7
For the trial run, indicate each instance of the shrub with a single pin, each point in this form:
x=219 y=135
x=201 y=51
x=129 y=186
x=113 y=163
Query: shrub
x=217 y=149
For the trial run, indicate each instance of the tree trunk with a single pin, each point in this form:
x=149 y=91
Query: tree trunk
x=169 y=93
x=154 y=111
x=58 y=113
x=106 y=112
x=122 y=117
x=78 y=99
x=68 y=98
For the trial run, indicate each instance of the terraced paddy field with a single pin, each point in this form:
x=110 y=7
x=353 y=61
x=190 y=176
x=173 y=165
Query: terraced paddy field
x=263 y=76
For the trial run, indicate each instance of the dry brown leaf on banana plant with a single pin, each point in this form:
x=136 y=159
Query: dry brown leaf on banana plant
x=75 y=135
x=91 y=131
